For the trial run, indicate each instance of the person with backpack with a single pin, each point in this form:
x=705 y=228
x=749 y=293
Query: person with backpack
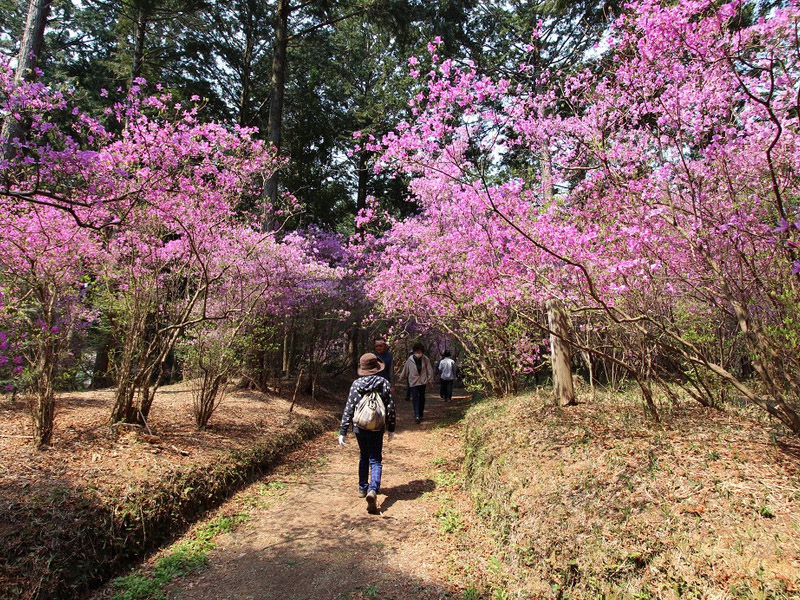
x=419 y=372
x=370 y=409
x=447 y=375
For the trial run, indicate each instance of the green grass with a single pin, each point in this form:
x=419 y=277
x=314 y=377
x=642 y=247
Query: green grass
x=449 y=520
x=184 y=558
x=766 y=512
x=471 y=593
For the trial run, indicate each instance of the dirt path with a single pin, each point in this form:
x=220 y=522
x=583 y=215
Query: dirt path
x=315 y=541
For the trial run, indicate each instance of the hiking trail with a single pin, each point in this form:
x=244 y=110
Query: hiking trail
x=314 y=539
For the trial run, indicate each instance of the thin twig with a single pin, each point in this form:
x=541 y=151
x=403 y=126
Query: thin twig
x=146 y=426
x=296 y=387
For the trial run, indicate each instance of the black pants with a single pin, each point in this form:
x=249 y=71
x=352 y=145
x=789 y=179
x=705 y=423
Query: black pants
x=418 y=400
x=446 y=389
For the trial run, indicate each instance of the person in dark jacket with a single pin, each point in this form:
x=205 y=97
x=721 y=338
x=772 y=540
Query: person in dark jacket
x=370 y=443
x=383 y=354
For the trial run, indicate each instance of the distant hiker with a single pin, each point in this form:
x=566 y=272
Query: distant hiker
x=383 y=354
x=419 y=372
x=370 y=409
x=447 y=375
x=408 y=384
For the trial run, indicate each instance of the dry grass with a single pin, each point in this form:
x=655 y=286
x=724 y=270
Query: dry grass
x=98 y=499
x=86 y=453
x=593 y=501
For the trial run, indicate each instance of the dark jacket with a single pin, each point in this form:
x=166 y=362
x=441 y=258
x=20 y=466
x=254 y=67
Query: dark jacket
x=361 y=386
x=387 y=374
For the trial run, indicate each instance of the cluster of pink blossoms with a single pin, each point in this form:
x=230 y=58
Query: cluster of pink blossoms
x=660 y=194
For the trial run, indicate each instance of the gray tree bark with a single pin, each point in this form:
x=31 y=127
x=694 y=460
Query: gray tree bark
x=560 y=353
x=29 y=51
x=547 y=173
x=137 y=60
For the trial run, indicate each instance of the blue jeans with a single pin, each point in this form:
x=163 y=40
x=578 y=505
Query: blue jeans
x=446 y=390
x=370 y=443
x=418 y=400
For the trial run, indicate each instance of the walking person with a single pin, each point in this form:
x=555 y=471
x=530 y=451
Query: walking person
x=419 y=372
x=369 y=404
x=447 y=375
x=383 y=354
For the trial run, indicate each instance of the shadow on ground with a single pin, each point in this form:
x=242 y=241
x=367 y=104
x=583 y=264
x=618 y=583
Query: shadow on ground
x=406 y=492
x=352 y=562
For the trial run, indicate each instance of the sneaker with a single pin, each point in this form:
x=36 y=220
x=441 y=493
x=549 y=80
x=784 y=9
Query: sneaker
x=417 y=420
x=372 y=502
x=362 y=493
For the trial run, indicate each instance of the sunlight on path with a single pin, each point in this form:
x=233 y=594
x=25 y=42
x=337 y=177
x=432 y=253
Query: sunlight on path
x=318 y=542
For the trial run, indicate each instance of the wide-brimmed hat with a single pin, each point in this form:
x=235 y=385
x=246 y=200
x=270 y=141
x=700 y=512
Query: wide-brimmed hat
x=369 y=364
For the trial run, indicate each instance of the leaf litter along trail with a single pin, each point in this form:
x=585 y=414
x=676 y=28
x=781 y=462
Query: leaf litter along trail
x=312 y=539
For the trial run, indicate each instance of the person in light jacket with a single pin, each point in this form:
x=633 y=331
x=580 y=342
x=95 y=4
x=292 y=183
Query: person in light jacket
x=419 y=372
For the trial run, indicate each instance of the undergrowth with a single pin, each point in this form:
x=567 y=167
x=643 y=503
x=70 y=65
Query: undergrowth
x=594 y=501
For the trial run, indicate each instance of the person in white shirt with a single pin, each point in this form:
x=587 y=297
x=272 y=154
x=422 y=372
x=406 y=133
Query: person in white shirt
x=447 y=375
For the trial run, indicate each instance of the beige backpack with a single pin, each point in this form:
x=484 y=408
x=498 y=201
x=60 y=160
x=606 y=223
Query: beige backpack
x=370 y=413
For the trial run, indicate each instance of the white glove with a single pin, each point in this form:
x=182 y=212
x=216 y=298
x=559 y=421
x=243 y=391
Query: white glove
x=341 y=441
x=391 y=436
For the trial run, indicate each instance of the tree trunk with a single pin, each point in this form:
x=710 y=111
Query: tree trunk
x=247 y=70
x=353 y=346
x=29 y=52
x=44 y=403
x=101 y=377
x=560 y=353
x=32 y=39
x=547 y=173
x=123 y=410
x=279 y=65
x=587 y=358
x=138 y=46
x=288 y=350
x=363 y=180
x=147 y=394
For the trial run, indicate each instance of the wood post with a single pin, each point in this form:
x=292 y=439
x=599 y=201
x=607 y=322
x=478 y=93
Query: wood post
x=560 y=354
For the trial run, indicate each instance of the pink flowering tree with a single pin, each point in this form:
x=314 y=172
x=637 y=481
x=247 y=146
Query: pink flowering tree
x=46 y=257
x=44 y=261
x=272 y=278
x=661 y=207
x=153 y=194
x=179 y=238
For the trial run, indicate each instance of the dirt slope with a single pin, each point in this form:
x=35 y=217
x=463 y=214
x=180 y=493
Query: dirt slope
x=315 y=541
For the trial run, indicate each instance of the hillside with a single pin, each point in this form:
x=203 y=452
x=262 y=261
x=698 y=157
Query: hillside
x=593 y=501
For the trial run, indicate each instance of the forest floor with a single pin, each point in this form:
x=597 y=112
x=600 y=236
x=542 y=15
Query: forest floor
x=74 y=513
x=84 y=453
x=304 y=534
x=491 y=500
x=514 y=500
